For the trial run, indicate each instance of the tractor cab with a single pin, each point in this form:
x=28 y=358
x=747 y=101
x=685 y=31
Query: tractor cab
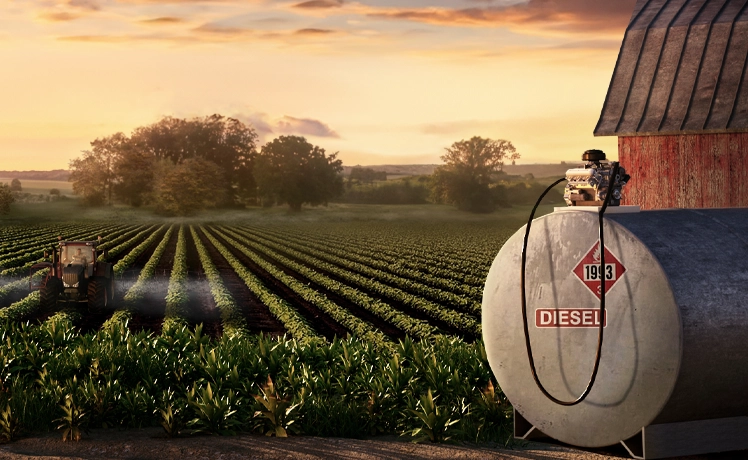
x=75 y=275
x=77 y=260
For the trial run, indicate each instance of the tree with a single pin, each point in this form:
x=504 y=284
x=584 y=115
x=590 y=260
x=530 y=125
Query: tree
x=291 y=170
x=134 y=172
x=124 y=167
x=366 y=175
x=6 y=199
x=185 y=188
x=469 y=168
x=93 y=175
x=226 y=142
x=15 y=185
x=87 y=182
x=54 y=191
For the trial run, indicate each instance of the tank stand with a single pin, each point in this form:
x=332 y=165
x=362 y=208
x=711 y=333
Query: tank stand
x=665 y=440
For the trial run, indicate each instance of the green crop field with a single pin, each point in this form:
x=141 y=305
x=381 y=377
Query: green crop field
x=345 y=321
x=42 y=186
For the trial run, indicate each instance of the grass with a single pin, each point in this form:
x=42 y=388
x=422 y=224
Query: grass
x=42 y=186
x=429 y=214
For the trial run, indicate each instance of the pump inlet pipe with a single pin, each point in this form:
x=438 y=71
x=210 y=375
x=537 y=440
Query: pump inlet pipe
x=616 y=179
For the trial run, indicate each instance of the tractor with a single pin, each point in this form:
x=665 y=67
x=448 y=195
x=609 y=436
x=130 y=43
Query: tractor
x=76 y=276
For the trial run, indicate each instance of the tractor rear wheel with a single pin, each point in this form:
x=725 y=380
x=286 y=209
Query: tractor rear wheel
x=98 y=297
x=49 y=294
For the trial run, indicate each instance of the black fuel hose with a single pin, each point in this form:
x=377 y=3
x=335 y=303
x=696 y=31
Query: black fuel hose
x=613 y=175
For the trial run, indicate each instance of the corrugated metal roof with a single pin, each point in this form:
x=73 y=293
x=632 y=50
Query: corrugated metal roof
x=681 y=69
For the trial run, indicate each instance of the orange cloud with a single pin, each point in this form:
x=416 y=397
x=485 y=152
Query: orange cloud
x=162 y=20
x=572 y=16
x=314 y=32
x=305 y=126
x=319 y=4
x=59 y=16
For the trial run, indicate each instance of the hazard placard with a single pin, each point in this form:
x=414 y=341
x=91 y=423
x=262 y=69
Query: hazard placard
x=588 y=270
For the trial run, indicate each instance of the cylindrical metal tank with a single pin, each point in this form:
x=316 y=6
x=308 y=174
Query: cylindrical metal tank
x=676 y=331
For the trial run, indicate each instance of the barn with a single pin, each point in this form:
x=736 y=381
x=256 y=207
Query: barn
x=678 y=102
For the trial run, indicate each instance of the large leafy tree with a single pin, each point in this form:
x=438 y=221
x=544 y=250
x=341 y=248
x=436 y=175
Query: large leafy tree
x=125 y=166
x=226 y=142
x=182 y=189
x=93 y=175
x=291 y=170
x=6 y=199
x=465 y=178
x=15 y=185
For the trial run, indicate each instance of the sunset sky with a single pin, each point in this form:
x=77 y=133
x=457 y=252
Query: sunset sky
x=380 y=81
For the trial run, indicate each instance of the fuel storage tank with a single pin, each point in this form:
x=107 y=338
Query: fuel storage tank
x=673 y=377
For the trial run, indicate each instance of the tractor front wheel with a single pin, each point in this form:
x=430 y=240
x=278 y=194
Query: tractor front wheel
x=49 y=294
x=98 y=297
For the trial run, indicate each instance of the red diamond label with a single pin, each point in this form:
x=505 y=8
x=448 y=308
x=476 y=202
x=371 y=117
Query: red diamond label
x=588 y=270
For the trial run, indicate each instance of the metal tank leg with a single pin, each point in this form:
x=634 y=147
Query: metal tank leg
x=669 y=439
x=524 y=429
x=689 y=438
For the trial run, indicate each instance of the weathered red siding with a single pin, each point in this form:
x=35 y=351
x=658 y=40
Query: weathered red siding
x=686 y=170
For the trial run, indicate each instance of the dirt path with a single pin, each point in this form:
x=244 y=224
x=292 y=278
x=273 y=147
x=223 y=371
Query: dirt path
x=149 y=444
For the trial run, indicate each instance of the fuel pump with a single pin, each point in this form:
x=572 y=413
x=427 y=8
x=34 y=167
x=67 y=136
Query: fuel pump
x=596 y=183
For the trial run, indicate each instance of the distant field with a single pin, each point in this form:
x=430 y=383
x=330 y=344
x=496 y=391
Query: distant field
x=42 y=186
x=537 y=170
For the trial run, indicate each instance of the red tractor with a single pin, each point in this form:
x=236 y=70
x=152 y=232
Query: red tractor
x=76 y=276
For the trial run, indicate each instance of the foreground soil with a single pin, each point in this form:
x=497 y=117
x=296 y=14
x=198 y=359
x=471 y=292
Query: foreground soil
x=150 y=444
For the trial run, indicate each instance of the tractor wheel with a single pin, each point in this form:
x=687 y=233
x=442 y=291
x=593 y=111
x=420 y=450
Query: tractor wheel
x=98 y=297
x=49 y=294
x=110 y=287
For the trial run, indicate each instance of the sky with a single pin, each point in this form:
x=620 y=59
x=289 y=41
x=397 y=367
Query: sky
x=378 y=81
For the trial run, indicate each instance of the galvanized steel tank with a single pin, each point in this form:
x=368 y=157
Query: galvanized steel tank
x=677 y=321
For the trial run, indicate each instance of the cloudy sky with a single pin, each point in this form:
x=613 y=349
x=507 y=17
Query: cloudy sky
x=380 y=81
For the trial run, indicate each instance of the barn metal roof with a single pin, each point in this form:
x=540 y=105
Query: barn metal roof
x=681 y=69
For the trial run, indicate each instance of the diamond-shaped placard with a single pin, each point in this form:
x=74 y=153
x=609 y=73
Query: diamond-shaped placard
x=588 y=270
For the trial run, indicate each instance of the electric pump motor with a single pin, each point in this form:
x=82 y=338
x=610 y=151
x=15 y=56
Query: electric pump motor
x=589 y=184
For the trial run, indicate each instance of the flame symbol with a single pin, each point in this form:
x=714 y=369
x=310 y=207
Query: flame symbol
x=596 y=254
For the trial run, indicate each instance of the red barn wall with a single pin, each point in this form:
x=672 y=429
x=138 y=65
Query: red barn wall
x=686 y=170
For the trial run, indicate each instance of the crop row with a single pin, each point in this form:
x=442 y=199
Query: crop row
x=187 y=383
x=32 y=239
x=339 y=258
x=231 y=317
x=116 y=247
x=24 y=263
x=133 y=255
x=411 y=326
x=20 y=257
x=455 y=319
x=371 y=257
x=177 y=295
x=426 y=268
x=293 y=322
x=137 y=292
x=351 y=322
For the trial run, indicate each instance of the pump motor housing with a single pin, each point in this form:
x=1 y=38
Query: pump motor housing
x=673 y=375
x=589 y=184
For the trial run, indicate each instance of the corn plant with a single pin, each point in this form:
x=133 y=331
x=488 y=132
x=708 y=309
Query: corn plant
x=172 y=412
x=74 y=421
x=214 y=412
x=276 y=414
x=436 y=421
x=10 y=426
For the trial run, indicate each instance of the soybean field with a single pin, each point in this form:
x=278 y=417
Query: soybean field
x=376 y=280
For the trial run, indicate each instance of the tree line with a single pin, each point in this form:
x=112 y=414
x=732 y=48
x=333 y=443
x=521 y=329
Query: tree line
x=180 y=166
x=183 y=165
